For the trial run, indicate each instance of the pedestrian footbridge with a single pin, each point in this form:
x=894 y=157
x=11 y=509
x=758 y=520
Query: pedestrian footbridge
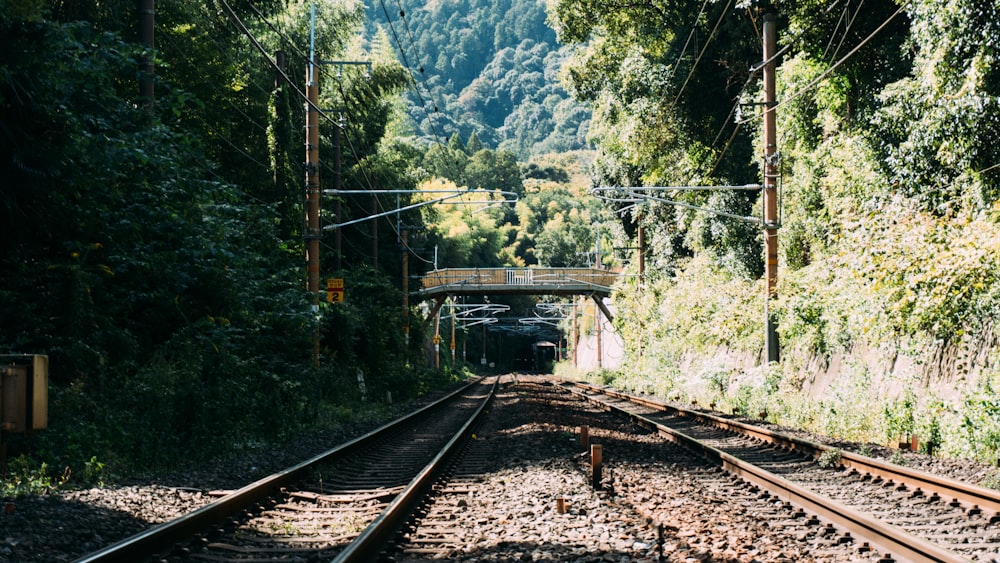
x=441 y=284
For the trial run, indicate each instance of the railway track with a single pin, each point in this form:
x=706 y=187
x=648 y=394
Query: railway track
x=337 y=505
x=911 y=515
x=518 y=483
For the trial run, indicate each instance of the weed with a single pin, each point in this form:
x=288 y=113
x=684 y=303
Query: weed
x=24 y=479
x=898 y=458
x=95 y=472
x=830 y=459
x=992 y=480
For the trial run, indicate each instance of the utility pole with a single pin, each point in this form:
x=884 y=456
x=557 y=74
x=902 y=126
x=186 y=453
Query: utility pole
x=312 y=232
x=146 y=21
x=598 y=320
x=453 y=313
x=771 y=219
x=576 y=336
x=642 y=250
x=338 y=237
x=374 y=231
x=437 y=339
x=404 y=237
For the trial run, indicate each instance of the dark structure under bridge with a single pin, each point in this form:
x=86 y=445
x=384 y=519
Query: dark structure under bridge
x=440 y=284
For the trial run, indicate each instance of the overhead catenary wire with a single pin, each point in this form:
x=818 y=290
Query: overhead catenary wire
x=808 y=87
x=702 y=53
x=368 y=175
x=754 y=70
x=215 y=131
x=321 y=67
x=395 y=36
x=281 y=72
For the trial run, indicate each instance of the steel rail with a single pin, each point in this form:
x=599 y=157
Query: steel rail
x=885 y=536
x=169 y=533
x=374 y=538
x=971 y=496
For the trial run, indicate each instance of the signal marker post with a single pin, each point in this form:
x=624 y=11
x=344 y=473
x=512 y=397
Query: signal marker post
x=335 y=290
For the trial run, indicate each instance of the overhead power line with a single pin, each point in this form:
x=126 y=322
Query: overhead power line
x=808 y=87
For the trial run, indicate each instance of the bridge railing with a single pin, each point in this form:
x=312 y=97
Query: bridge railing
x=519 y=277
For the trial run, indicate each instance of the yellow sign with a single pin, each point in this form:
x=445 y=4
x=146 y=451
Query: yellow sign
x=335 y=290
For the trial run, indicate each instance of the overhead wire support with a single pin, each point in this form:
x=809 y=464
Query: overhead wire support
x=510 y=197
x=638 y=195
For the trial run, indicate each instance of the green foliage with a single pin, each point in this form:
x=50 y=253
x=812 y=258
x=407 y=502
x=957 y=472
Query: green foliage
x=830 y=459
x=992 y=480
x=23 y=477
x=491 y=68
x=155 y=254
x=899 y=417
x=934 y=126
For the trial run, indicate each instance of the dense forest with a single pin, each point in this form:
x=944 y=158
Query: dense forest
x=486 y=68
x=154 y=247
x=887 y=117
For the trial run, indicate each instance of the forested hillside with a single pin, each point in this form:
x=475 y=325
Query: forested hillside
x=889 y=280
x=484 y=67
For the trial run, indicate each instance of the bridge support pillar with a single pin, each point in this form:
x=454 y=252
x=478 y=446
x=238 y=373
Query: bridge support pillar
x=604 y=308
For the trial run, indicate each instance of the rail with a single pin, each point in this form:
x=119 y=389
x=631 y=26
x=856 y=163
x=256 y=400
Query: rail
x=141 y=545
x=888 y=537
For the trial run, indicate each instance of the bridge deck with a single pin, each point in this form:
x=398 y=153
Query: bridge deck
x=513 y=281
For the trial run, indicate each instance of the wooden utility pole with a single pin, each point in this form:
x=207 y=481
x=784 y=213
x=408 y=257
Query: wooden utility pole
x=146 y=24
x=771 y=218
x=312 y=233
x=338 y=237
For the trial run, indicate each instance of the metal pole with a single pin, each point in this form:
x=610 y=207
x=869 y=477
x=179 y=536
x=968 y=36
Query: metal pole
x=374 y=231
x=770 y=186
x=437 y=338
x=404 y=236
x=312 y=233
x=338 y=240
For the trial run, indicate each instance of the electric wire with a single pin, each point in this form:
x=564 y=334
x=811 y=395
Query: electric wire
x=808 y=87
x=794 y=40
x=416 y=54
x=847 y=28
x=694 y=29
x=212 y=128
x=704 y=48
x=423 y=103
x=345 y=134
x=206 y=80
x=281 y=72
x=253 y=40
